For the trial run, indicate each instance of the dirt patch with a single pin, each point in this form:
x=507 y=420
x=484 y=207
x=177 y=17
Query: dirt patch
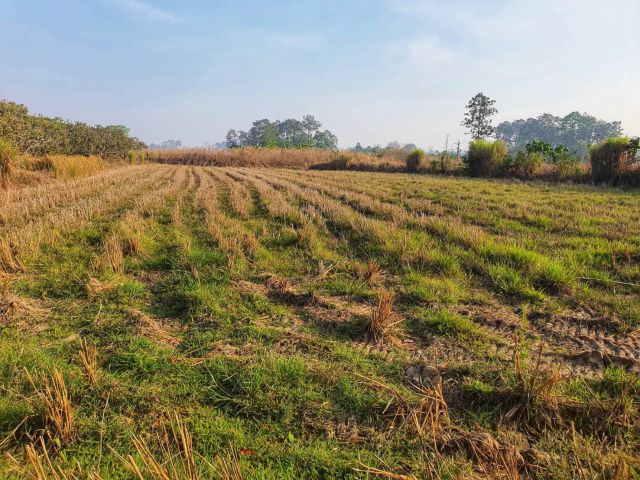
x=581 y=340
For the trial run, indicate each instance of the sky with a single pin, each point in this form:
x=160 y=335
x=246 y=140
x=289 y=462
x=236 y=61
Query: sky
x=372 y=71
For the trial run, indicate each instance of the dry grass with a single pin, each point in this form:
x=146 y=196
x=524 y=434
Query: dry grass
x=89 y=360
x=241 y=157
x=37 y=465
x=7 y=158
x=9 y=262
x=58 y=416
x=96 y=287
x=12 y=305
x=174 y=457
x=68 y=166
x=371 y=272
x=534 y=396
x=382 y=326
x=229 y=466
x=113 y=254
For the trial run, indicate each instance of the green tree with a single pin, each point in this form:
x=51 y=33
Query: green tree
x=477 y=119
x=325 y=140
x=231 y=139
x=576 y=131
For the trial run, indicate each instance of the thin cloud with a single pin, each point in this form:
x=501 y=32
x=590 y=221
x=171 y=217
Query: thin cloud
x=146 y=10
x=422 y=52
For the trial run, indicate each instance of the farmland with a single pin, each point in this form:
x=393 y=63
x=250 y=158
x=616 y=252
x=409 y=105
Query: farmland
x=272 y=323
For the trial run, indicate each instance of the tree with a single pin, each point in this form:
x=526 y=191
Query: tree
x=38 y=135
x=289 y=133
x=310 y=125
x=477 y=119
x=231 y=139
x=325 y=140
x=576 y=131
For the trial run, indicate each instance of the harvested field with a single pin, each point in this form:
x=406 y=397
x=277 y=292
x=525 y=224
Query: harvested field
x=270 y=323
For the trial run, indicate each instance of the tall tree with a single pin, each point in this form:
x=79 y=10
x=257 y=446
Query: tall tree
x=231 y=139
x=326 y=140
x=477 y=119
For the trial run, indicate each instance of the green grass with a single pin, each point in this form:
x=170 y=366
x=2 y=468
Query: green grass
x=285 y=377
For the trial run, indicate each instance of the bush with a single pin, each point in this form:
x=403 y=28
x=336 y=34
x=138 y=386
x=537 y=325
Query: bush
x=414 y=159
x=523 y=165
x=7 y=158
x=567 y=164
x=610 y=158
x=485 y=158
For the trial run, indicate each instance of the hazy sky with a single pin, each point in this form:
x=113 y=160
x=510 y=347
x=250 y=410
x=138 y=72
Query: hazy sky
x=370 y=70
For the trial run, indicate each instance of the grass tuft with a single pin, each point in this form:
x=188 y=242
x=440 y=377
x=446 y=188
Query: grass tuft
x=58 y=415
x=383 y=324
x=89 y=360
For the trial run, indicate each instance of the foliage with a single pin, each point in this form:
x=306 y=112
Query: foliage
x=485 y=158
x=524 y=165
x=611 y=157
x=477 y=119
x=576 y=131
x=289 y=133
x=414 y=159
x=38 y=135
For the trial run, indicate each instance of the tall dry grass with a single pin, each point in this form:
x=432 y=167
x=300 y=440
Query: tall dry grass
x=67 y=166
x=7 y=158
x=391 y=160
x=58 y=415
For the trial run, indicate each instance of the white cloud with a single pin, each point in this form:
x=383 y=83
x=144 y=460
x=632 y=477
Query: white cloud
x=146 y=10
x=421 y=53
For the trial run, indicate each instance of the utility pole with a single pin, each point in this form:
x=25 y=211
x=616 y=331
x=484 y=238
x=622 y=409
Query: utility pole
x=446 y=145
x=458 y=151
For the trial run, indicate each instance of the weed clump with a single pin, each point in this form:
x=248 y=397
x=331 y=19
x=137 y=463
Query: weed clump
x=486 y=158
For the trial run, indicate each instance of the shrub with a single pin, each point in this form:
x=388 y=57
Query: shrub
x=523 y=165
x=7 y=158
x=485 y=158
x=610 y=158
x=414 y=159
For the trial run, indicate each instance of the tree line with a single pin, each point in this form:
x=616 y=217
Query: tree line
x=575 y=131
x=289 y=133
x=39 y=135
x=523 y=146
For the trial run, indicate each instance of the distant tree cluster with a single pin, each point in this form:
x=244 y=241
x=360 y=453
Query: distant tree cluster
x=380 y=150
x=576 y=131
x=290 y=133
x=38 y=135
x=166 y=145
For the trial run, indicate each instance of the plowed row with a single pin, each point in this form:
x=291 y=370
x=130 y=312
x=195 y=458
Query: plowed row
x=239 y=300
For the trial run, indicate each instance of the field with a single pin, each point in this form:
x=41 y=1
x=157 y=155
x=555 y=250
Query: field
x=282 y=324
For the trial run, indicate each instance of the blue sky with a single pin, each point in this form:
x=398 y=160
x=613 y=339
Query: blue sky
x=371 y=70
